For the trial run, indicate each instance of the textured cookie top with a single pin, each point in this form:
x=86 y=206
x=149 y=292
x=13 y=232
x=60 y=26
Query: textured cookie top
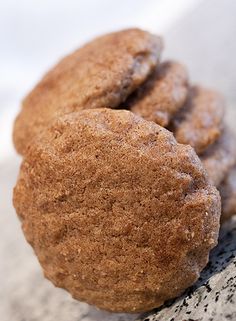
x=219 y=158
x=200 y=121
x=118 y=213
x=102 y=73
x=162 y=95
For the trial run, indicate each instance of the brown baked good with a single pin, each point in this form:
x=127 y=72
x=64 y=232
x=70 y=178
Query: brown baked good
x=228 y=195
x=220 y=157
x=117 y=212
x=102 y=73
x=200 y=122
x=162 y=95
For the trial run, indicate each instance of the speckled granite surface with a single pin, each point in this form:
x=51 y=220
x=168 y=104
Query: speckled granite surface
x=26 y=296
x=213 y=298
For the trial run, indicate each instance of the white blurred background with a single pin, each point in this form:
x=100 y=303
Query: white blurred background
x=34 y=34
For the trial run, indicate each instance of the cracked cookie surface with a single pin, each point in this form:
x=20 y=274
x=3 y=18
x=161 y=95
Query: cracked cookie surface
x=101 y=74
x=117 y=212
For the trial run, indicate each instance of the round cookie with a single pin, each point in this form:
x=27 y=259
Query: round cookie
x=162 y=95
x=102 y=73
x=220 y=157
x=200 y=122
x=228 y=195
x=117 y=212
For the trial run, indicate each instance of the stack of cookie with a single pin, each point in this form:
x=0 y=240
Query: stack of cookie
x=195 y=115
x=123 y=70
x=119 y=212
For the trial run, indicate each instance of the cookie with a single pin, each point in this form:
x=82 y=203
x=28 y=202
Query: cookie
x=200 y=122
x=220 y=157
x=117 y=212
x=162 y=95
x=100 y=74
x=228 y=195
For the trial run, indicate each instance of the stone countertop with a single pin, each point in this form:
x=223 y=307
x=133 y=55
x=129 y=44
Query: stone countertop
x=213 y=297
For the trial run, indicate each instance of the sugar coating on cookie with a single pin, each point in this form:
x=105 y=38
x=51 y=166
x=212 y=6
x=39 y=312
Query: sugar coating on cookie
x=117 y=212
x=200 y=121
x=220 y=157
x=228 y=195
x=100 y=74
x=162 y=95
